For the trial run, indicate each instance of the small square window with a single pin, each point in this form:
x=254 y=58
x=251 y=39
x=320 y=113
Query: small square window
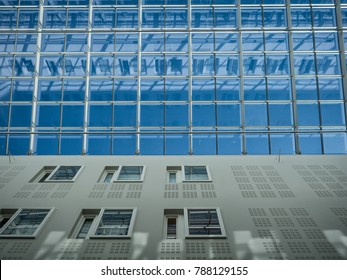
x=24 y=223
x=122 y=173
x=105 y=223
x=203 y=223
x=196 y=173
x=174 y=174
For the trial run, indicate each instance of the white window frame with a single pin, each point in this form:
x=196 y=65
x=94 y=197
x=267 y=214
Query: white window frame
x=117 y=170
x=37 y=231
x=48 y=179
x=220 y=220
x=187 y=180
x=97 y=219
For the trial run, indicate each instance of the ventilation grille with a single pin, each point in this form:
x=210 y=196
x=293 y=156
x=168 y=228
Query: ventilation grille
x=190 y=191
x=116 y=191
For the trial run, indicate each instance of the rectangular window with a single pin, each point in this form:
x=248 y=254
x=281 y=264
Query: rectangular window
x=64 y=174
x=201 y=223
x=196 y=173
x=122 y=173
x=25 y=223
x=104 y=223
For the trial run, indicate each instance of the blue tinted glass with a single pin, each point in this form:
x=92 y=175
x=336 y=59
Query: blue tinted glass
x=203 y=65
x=172 y=2
x=326 y=41
x=301 y=17
x=345 y=39
x=125 y=90
x=229 y=144
x=308 y=114
x=22 y=90
x=253 y=65
x=335 y=143
x=282 y=144
x=270 y=2
x=128 y=65
x=100 y=115
x=255 y=114
x=202 y=18
x=281 y=114
x=18 y=144
x=51 y=66
x=229 y=115
x=74 y=90
x=102 y=65
x=328 y=64
x=153 y=18
x=254 y=89
x=71 y=144
x=127 y=18
x=5 y=90
x=6 y=66
x=127 y=2
x=126 y=42
x=228 y=89
x=227 y=65
x=77 y=19
x=20 y=115
x=274 y=17
x=176 y=144
x=8 y=19
x=50 y=90
x=330 y=89
x=176 y=90
x=203 y=89
x=251 y=18
x=276 y=41
x=152 y=42
x=304 y=64
x=7 y=42
x=152 y=115
x=4 y=115
x=75 y=66
x=277 y=65
x=24 y=66
x=257 y=144
x=344 y=17
x=54 y=19
x=333 y=114
x=152 y=90
x=73 y=115
x=153 y=65
x=279 y=89
x=125 y=115
x=2 y=144
x=101 y=90
x=302 y=41
x=204 y=144
x=152 y=144
x=76 y=42
x=310 y=143
x=306 y=89
x=52 y=42
x=252 y=41
x=177 y=65
x=47 y=144
x=104 y=18
x=103 y=42
x=176 y=42
x=99 y=144
x=28 y=19
x=176 y=18
x=153 y=2
x=176 y=115
x=225 y=18
x=324 y=17
x=203 y=41
x=78 y=2
x=226 y=41
x=204 y=115
x=250 y=2
x=124 y=144
x=26 y=43
x=48 y=115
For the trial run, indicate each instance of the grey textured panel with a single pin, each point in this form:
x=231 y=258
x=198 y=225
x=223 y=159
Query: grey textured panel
x=59 y=194
x=334 y=186
x=133 y=195
x=278 y=212
x=263 y=186
x=100 y=187
x=170 y=247
x=46 y=187
x=299 y=211
x=190 y=195
x=281 y=186
x=267 y=194
x=189 y=187
x=4 y=180
x=70 y=249
x=286 y=194
x=208 y=195
x=255 y=173
x=29 y=187
x=284 y=222
x=306 y=222
x=96 y=195
x=114 y=195
x=336 y=173
x=4 y=167
x=120 y=248
x=257 y=212
x=262 y=222
x=341 y=193
x=21 y=194
x=64 y=187
x=324 y=193
x=339 y=211
x=11 y=174
x=40 y=195
x=2 y=186
x=252 y=167
x=298 y=247
x=324 y=247
x=291 y=234
x=313 y=233
x=245 y=187
x=207 y=187
x=94 y=248
x=239 y=173
x=249 y=194
x=117 y=187
x=267 y=167
x=18 y=168
x=236 y=167
x=135 y=187
x=171 y=187
x=242 y=180
x=316 y=186
x=170 y=194
x=220 y=251
x=195 y=250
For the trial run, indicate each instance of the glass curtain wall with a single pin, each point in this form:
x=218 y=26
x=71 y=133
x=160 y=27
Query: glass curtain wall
x=174 y=77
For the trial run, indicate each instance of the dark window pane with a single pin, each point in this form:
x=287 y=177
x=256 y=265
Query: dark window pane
x=73 y=115
x=100 y=115
x=124 y=144
x=48 y=115
x=18 y=144
x=71 y=144
x=20 y=115
x=229 y=144
x=257 y=144
x=152 y=144
x=310 y=143
x=47 y=144
x=204 y=115
x=99 y=144
x=125 y=115
x=204 y=144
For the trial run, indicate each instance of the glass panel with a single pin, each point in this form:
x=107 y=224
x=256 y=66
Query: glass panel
x=99 y=144
x=252 y=41
x=225 y=18
x=308 y=114
x=153 y=65
x=47 y=144
x=176 y=42
x=326 y=41
x=74 y=90
x=22 y=90
x=126 y=42
x=198 y=173
x=104 y=18
x=28 y=18
x=204 y=144
x=152 y=115
x=50 y=90
x=177 y=65
x=18 y=144
x=253 y=65
x=153 y=18
x=330 y=89
x=333 y=114
x=323 y=17
x=100 y=115
x=101 y=90
x=77 y=19
x=76 y=42
x=24 y=66
x=152 y=42
x=280 y=114
x=152 y=144
x=257 y=144
x=152 y=90
x=302 y=41
x=226 y=42
x=26 y=222
x=176 y=144
x=203 y=222
x=310 y=143
x=301 y=17
x=277 y=64
x=176 y=18
x=202 y=18
x=124 y=144
x=48 y=115
x=276 y=41
x=4 y=115
x=75 y=66
x=203 y=41
x=125 y=115
x=229 y=115
x=8 y=19
x=52 y=42
x=54 y=19
x=6 y=65
x=306 y=89
x=101 y=66
x=335 y=143
x=125 y=90
x=51 y=66
x=114 y=222
x=26 y=42
x=203 y=65
x=65 y=173
x=304 y=64
x=7 y=42
x=83 y=232
x=279 y=89
x=251 y=18
x=127 y=18
x=204 y=115
x=130 y=173
x=176 y=114
x=328 y=64
x=282 y=144
x=176 y=90
x=71 y=144
x=255 y=114
x=20 y=115
x=227 y=65
x=254 y=89
x=229 y=144
x=103 y=42
x=73 y=115
x=228 y=89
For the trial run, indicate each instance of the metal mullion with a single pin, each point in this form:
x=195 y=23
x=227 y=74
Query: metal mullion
x=190 y=78
x=138 y=97
x=36 y=79
x=292 y=77
x=215 y=90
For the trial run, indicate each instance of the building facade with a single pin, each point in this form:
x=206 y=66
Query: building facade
x=248 y=98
